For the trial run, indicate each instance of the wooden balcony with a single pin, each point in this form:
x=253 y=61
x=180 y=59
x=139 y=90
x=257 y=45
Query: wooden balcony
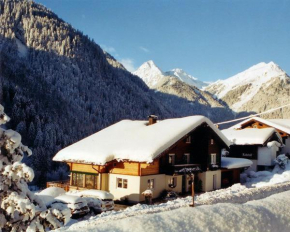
x=61 y=184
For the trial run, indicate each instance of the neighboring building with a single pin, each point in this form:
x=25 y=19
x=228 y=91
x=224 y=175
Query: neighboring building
x=232 y=169
x=131 y=156
x=261 y=146
x=281 y=125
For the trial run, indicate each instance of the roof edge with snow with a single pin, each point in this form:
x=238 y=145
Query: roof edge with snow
x=232 y=163
x=133 y=141
x=264 y=121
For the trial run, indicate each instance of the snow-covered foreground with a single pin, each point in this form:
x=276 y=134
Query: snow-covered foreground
x=268 y=183
x=269 y=214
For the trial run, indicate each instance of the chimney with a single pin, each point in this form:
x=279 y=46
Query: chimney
x=152 y=119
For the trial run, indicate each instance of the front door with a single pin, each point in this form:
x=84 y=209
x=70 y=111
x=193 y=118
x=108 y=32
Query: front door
x=214 y=182
x=183 y=184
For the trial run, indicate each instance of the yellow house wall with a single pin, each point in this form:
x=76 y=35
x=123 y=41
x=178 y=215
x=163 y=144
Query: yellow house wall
x=159 y=185
x=178 y=187
x=104 y=181
x=207 y=180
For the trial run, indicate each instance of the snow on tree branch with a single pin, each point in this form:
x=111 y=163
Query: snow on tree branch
x=21 y=210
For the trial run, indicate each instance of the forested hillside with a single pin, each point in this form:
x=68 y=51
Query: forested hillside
x=59 y=86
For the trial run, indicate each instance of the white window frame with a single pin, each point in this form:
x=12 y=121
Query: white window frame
x=188 y=139
x=187 y=155
x=213 y=158
x=150 y=183
x=171 y=159
x=211 y=141
x=124 y=182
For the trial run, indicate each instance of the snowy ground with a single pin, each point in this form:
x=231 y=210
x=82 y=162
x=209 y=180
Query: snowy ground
x=258 y=186
x=269 y=214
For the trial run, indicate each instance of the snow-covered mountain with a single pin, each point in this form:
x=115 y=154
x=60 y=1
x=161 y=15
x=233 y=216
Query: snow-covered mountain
x=151 y=74
x=176 y=82
x=185 y=77
x=262 y=86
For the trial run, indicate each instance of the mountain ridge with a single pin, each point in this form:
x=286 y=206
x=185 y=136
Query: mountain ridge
x=151 y=74
x=174 y=84
x=262 y=86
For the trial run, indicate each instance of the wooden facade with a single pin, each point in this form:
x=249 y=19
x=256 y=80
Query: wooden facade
x=123 y=168
x=244 y=151
x=203 y=142
x=256 y=124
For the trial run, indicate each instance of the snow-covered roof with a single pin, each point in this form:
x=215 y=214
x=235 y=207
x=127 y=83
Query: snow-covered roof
x=250 y=136
x=133 y=140
x=231 y=163
x=280 y=124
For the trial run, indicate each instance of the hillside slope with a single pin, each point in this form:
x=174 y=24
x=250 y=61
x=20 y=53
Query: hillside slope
x=261 y=87
x=59 y=86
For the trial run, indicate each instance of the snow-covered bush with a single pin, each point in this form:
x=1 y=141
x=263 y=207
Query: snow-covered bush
x=281 y=161
x=21 y=210
x=148 y=193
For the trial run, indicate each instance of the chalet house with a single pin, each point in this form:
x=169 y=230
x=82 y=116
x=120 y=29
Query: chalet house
x=261 y=146
x=131 y=156
x=281 y=125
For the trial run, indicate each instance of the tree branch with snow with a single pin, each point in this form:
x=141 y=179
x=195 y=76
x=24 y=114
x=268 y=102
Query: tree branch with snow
x=20 y=209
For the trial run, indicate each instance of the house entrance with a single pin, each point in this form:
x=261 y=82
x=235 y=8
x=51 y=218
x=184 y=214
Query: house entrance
x=214 y=182
x=184 y=184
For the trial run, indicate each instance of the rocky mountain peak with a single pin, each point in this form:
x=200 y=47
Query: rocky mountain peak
x=150 y=73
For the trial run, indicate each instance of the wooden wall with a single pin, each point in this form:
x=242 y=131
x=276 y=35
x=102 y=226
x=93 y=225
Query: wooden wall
x=244 y=151
x=200 y=149
x=150 y=169
x=87 y=168
x=124 y=168
x=259 y=125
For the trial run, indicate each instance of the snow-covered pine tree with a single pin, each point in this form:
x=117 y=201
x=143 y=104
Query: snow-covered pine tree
x=20 y=209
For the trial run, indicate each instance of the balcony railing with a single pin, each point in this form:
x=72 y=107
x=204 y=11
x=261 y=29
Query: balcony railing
x=61 y=184
x=179 y=168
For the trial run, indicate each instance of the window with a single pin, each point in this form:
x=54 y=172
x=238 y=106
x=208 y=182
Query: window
x=114 y=164
x=186 y=158
x=171 y=159
x=213 y=158
x=172 y=182
x=150 y=183
x=122 y=183
x=188 y=139
x=84 y=180
x=77 y=179
x=91 y=181
x=211 y=141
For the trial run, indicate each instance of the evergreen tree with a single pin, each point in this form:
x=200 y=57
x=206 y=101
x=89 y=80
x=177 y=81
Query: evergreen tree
x=21 y=210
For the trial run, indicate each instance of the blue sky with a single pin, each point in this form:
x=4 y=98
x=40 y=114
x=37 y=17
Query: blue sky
x=209 y=39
